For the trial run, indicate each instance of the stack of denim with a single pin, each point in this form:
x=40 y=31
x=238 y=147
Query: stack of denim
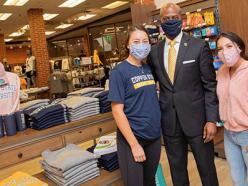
x=48 y=116
x=87 y=92
x=105 y=105
x=80 y=107
x=27 y=108
x=70 y=166
x=108 y=162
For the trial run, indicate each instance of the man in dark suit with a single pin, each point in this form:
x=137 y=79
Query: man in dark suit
x=183 y=67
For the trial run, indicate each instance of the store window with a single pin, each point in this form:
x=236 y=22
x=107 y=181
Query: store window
x=109 y=41
x=121 y=35
x=75 y=46
x=58 y=48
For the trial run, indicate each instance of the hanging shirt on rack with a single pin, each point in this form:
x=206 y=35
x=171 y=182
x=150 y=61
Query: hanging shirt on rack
x=65 y=64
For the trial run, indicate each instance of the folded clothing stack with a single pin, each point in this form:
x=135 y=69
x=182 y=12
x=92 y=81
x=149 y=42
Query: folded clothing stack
x=34 y=104
x=48 y=116
x=80 y=107
x=87 y=92
x=27 y=108
x=107 y=148
x=70 y=166
x=105 y=105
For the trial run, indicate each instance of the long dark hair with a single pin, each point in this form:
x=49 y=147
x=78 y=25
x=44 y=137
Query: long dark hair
x=236 y=39
x=133 y=29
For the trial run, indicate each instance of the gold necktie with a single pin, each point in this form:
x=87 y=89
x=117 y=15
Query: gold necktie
x=172 y=57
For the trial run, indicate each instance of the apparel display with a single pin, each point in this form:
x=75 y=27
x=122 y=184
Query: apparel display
x=1 y=127
x=108 y=161
x=59 y=84
x=80 y=107
x=70 y=166
x=48 y=116
x=9 y=92
x=20 y=121
x=87 y=92
x=10 y=124
x=105 y=105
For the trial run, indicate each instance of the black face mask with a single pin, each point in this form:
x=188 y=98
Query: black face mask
x=172 y=28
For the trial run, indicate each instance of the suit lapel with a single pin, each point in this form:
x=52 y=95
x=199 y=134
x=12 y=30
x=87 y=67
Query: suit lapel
x=184 y=45
x=161 y=62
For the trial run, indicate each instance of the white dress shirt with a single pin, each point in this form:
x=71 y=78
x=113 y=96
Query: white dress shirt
x=167 y=46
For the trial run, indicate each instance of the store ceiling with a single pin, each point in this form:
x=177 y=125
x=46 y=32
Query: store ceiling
x=66 y=15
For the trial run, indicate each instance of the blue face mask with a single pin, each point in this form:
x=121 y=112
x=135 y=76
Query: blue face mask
x=140 y=51
x=172 y=28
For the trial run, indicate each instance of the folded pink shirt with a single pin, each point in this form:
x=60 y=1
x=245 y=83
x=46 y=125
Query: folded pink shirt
x=233 y=97
x=9 y=94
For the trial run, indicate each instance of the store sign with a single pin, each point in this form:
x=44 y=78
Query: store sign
x=86 y=61
x=108 y=38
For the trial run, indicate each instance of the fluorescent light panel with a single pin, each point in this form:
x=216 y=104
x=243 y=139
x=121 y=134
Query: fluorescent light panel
x=4 y=16
x=64 y=26
x=15 y=2
x=7 y=40
x=71 y=3
x=87 y=16
x=115 y=4
x=16 y=34
x=25 y=27
x=47 y=17
x=49 y=32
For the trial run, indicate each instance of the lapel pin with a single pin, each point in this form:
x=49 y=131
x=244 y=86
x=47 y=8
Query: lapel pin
x=185 y=44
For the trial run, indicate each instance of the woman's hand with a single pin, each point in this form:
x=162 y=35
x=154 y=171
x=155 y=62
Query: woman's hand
x=138 y=153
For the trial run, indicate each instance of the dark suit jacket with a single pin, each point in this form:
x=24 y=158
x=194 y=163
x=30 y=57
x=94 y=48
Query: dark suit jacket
x=192 y=99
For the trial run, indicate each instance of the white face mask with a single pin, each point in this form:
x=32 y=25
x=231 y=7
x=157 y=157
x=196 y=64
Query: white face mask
x=140 y=51
x=230 y=56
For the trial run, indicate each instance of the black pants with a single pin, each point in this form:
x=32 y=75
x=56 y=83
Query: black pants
x=138 y=174
x=177 y=153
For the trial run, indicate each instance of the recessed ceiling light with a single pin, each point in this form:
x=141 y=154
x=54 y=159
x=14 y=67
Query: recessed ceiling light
x=47 y=17
x=87 y=16
x=15 y=2
x=64 y=26
x=7 y=40
x=4 y=16
x=71 y=3
x=26 y=27
x=16 y=34
x=115 y=4
x=49 y=32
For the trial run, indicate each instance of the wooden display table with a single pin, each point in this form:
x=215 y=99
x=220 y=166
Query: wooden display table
x=31 y=143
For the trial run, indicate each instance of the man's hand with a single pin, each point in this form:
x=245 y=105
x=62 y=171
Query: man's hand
x=209 y=132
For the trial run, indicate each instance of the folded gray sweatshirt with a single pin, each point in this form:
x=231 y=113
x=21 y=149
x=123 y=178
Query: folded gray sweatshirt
x=77 y=177
x=69 y=173
x=77 y=182
x=67 y=157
